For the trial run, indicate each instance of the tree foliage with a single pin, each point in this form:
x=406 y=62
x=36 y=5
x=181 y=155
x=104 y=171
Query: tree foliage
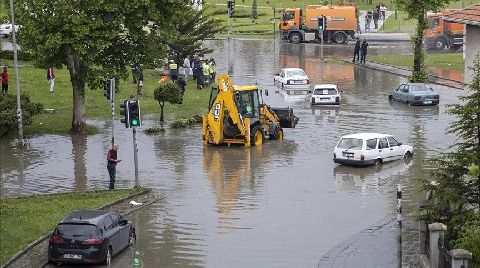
x=167 y=92
x=8 y=112
x=190 y=28
x=92 y=38
x=417 y=9
x=456 y=189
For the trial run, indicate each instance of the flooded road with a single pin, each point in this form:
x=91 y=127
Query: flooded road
x=284 y=204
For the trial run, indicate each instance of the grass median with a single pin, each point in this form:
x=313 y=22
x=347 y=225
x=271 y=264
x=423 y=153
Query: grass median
x=33 y=82
x=446 y=61
x=25 y=219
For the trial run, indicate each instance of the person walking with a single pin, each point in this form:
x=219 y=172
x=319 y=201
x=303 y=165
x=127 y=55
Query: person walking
x=173 y=68
x=213 y=70
x=4 y=78
x=376 y=16
x=383 y=11
x=206 y=73
x=198 y=71
x=356 y=51
x=51 y=78
x=186 y=68
x=112 y=162
x=364 y=49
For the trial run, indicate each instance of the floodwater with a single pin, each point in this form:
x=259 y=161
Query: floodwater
x=283 y=204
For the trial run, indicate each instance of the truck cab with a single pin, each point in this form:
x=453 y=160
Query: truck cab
x=291 y=19
x=441 y=34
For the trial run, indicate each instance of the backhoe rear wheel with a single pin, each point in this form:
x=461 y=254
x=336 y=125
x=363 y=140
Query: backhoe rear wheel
x=256 y=135
x=277 y=134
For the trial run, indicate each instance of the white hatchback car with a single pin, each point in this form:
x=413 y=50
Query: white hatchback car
x=293 y=80
x=325 y=94
x=363 y=149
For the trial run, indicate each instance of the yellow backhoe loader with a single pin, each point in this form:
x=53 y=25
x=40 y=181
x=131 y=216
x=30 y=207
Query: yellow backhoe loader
x=237 y=116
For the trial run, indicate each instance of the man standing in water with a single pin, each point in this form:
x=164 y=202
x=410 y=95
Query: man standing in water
x=356 y=51
x=364 y=48
x=112 y=165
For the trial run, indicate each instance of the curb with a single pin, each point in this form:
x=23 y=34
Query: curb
x=42 y=238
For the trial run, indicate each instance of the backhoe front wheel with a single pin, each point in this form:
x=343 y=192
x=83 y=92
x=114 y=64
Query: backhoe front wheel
x=256 y=135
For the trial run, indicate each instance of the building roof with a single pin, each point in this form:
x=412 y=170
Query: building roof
x=469 y=15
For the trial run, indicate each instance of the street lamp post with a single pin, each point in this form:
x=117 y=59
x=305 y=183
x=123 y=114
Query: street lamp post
x=17 y=84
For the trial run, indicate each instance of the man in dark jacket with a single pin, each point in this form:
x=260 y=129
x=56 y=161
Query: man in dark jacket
x=112 y=162
x=376 y=16
x=356 y=51
x=363 y=50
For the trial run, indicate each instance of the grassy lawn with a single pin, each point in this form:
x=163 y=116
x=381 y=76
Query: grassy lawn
x=34 y=83
x=27 y=218
x=447 y=61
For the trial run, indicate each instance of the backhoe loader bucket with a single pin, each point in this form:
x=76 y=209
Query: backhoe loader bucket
x=286 y=117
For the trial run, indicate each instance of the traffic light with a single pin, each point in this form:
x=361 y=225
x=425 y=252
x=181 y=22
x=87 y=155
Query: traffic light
x=322 y=23
x=107 y=88
x=124 y=111
x=231 y=7
x=134 y=113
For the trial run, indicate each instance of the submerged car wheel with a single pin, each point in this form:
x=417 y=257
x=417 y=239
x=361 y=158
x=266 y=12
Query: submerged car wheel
x=408 y=154
x=132 y=237
x=108 y=256
x=377 y=162
x=256 y=135
x=390 y=97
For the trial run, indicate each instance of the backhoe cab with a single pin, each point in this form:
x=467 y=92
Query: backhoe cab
x=237 y=116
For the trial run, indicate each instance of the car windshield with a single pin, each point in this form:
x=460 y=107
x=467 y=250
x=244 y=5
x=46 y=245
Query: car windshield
x=350 y=143
x=325 y=91
x=70 y=229
x=295 y=73
x=419 y=88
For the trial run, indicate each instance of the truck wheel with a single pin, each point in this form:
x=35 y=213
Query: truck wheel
x=439 y=43
x=340 y=37
x=256 y=135
x=295 y=38
x=277 y=134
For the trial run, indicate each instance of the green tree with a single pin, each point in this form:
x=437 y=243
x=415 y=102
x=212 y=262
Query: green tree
x=8 y=112
x=191 y=28
x=167 y=92
x=93 y=38
x=417 y=9
x=254 y=10
x=456 y=198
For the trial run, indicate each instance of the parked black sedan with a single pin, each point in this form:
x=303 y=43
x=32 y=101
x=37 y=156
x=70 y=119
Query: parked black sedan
x=90 y=236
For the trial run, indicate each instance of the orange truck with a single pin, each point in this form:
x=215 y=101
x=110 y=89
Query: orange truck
x=441 y=34
x=341 y=22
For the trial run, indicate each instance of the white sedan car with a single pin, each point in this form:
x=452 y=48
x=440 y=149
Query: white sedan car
x=325 y=94
x=363 y=149
x=293 y=80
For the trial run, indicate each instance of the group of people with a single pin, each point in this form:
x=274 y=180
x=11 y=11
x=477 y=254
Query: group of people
x=377 y=14
x=4 y=79
x=360 y=51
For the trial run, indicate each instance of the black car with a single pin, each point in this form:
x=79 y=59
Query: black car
x=90 y=236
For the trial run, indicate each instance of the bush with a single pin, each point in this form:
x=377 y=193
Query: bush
x=22 y=55
x=8 y=112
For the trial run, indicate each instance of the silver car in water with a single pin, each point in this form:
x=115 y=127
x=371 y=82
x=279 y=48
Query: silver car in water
x=415 y=94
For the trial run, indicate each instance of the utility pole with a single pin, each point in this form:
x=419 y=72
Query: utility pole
x=112 y=100
x=17 y=84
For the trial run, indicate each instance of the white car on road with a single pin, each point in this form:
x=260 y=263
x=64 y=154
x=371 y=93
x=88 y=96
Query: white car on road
x=6 y=29
x=294 y=81
x=325 y=94
x=363 y=149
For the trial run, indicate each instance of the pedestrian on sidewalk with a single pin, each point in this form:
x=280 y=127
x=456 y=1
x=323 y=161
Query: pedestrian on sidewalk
x=376 y=16
x=51 y=78
x=368 y=20
x=356 y=50
x=112 y=162
x=383 y=10
x=186 y=68
x=363 y=50
x=4 y=78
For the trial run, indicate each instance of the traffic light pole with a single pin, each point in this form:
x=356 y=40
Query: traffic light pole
x=112 y=99
x=135 y=156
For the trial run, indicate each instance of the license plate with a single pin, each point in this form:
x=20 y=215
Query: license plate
x=347 y=154
x=427 y=102
x=325 y=99
x=297 y=81
x=72 y=256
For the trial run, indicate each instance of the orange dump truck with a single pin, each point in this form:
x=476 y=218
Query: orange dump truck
x=341 y=22
x=441 y=34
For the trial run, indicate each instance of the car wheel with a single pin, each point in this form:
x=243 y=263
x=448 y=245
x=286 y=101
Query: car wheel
x=390 y=97
x=377 y=162
x=277 y=134
x=408 y=154
x=108 y=256
x=132 y=238
x=409 y=104
x=295 y=38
